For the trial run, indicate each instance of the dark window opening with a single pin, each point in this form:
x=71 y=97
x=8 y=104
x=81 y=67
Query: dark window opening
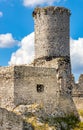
x=40 y=88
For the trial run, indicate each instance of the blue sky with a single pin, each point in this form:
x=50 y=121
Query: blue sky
x=17 y=27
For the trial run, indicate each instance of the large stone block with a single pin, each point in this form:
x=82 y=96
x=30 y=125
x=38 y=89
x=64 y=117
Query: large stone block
x=10 y=121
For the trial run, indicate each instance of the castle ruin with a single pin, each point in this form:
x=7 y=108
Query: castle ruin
x=47 y=80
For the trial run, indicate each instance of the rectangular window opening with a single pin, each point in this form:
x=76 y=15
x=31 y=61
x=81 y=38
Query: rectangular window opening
x=40 y=88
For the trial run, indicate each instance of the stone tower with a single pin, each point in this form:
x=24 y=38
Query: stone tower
x=48 y=80
x=52 y=47
x=51 y=32
x=52 y=50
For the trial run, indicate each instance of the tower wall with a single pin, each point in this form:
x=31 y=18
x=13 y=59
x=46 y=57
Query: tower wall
x=51 y=32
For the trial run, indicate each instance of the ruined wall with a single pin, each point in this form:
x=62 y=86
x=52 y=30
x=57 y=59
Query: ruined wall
x=56 y=95
x=52 y=50
x=10 y=121
x=6 y=86
x=77 y=92
x=63 y=68
x=48 y=81
x=51 y=32
x=26 y=81
x=19 y=86
x=81 y=83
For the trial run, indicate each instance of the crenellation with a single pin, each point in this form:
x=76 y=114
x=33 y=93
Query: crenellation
x=50 y=10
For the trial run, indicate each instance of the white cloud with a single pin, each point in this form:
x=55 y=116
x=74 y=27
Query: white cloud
x=25 y=54
x=1 y=14
x=38 y=2
x=7 y=40
x=77 y=55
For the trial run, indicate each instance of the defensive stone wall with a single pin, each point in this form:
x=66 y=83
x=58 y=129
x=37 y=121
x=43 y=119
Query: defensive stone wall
x=10 y=121
x=36 y=85
x=6 y=86
x=27 y=85
x=47 y=86
x=48 y=80
x=78 y=87
x=81 y=82
x=44 y=86
x=63 y=68
x=51 y=32
x=77 y=92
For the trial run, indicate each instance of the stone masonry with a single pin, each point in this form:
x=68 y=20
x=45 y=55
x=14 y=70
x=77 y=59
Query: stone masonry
x=10 y=121
x=47 y=80
x=77 y=92
x=48 y=83
x=7 y=87
x=51 y=32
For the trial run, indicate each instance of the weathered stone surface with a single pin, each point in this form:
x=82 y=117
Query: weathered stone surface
x=10 y=121
x=47 y=81
x=56 y=92
x=7 y=87
x=77 y=92
x=51 y=32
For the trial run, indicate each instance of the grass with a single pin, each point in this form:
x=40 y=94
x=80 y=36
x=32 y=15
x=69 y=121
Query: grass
x=38 y=125
x=65 y=123
x=80 y=112
x=69 y=122
x=79 y=126
x=47 y=123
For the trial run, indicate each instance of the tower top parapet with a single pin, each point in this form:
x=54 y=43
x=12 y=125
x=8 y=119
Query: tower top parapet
x=52 y=9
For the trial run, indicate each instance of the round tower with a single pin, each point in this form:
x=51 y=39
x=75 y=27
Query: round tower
x=51 y=32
